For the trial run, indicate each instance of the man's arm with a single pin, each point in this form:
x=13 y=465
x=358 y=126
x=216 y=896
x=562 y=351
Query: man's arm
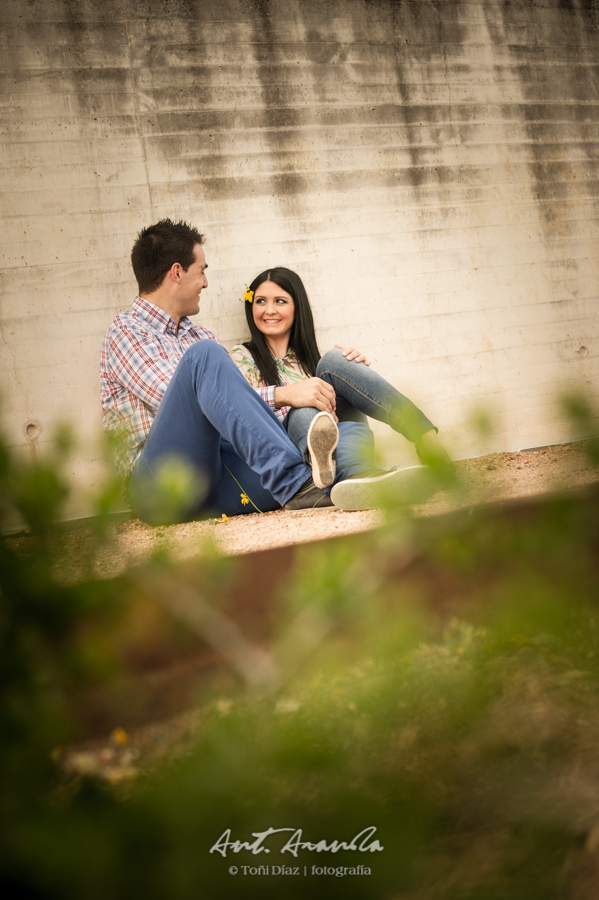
x=309 y=392
x=137 y=363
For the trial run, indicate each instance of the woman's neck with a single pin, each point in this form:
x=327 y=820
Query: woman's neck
x=278 y=346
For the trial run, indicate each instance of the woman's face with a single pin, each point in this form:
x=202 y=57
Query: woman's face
x=273 y=310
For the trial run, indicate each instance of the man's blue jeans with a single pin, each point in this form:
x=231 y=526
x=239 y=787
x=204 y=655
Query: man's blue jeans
x=360 y=392
x=212 y=420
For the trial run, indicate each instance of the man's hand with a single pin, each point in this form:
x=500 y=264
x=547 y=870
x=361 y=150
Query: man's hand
x=352 y=353
x=310 y=392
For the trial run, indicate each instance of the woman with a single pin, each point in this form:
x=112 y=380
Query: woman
x=311 y=393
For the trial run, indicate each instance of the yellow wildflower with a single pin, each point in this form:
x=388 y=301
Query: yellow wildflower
x=224 y=518
x=244 y=498
x=120 y=737
x=249 y=295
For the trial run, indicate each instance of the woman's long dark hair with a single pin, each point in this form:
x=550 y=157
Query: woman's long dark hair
x=302 y=338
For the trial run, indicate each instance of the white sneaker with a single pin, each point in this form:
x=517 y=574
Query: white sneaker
x=323 y=437
x=397 y=486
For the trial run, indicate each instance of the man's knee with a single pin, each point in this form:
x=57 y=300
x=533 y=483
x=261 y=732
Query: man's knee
x=206 y=349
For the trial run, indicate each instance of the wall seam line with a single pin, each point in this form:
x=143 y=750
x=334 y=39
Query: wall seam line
x=138 y=112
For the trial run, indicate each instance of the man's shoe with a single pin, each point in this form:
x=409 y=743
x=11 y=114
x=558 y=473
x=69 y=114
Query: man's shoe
x=309 y=497
x=323 y=437
x=432 y=453
x=376 y=488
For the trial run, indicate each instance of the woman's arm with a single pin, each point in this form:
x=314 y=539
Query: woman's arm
x=246 y=364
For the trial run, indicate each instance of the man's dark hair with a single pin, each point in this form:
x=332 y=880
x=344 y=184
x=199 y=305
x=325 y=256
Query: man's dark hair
x=302 y=338
x=159 y=247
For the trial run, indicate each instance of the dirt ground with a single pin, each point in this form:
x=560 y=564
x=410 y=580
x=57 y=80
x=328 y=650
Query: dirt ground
x=491 y=478
x=496 y=477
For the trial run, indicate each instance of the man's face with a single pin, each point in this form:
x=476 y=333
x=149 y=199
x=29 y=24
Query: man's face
x=192 y=283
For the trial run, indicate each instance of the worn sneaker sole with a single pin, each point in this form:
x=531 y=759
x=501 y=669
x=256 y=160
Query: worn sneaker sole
x=323 y=437
x=400 y=487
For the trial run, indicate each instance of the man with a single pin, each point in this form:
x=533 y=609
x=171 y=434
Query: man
x=171 y=395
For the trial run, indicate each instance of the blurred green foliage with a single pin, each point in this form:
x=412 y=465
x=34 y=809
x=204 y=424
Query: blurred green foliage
x=581 y=413
x=41 y=659
x=438 y=680
x=176 y=488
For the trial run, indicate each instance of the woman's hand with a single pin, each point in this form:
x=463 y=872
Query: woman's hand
x=352 y=353
x=310 y=392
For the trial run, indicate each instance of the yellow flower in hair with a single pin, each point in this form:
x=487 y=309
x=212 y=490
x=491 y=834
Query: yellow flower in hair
x=244 y=498
x=249 y=295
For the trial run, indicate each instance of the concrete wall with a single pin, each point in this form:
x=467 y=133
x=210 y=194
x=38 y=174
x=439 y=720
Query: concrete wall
x=430 y=168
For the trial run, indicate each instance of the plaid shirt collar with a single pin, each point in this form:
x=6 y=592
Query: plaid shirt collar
x=158 y=318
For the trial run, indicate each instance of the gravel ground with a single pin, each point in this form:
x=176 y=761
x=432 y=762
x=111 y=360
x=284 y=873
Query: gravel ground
x=498 y=476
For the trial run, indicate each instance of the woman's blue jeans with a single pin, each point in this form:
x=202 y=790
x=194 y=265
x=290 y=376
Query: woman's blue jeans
x=360 y=392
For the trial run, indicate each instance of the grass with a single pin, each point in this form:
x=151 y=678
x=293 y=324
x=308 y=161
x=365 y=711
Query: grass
x=435 y=680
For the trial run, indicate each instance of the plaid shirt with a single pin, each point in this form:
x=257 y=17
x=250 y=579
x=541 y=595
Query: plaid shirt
x=140 y=353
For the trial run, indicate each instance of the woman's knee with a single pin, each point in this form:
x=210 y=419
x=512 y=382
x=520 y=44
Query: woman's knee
x=328 y=359
x=298 y=424
x=301 y=415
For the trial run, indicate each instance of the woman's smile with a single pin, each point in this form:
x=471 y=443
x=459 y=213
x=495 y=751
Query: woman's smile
x=273 y=310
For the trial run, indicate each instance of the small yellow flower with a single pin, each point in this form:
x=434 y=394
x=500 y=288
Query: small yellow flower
x=244 y=498
x=249 y=295
x=120 y=737
x=224 y=518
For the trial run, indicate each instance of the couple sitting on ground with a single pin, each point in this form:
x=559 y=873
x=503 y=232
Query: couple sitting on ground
x=261 y=426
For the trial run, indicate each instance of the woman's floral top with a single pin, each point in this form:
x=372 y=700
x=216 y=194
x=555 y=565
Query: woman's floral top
x=288 y=367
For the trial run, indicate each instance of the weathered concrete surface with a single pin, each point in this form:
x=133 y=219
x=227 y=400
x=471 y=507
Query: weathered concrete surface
x=430 y=169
